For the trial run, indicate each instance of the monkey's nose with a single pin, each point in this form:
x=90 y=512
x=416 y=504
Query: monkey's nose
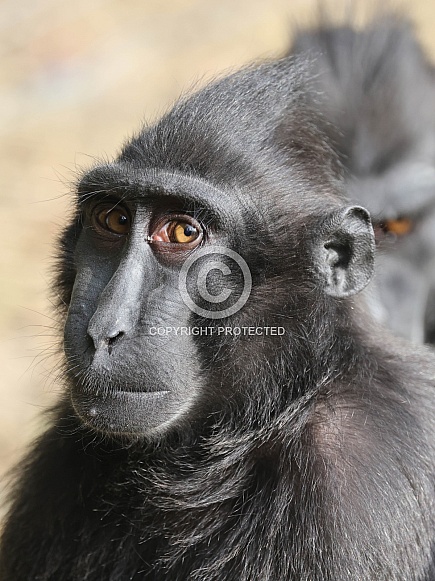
x=117 y=312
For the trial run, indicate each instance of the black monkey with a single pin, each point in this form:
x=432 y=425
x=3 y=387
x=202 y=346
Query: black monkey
x=291 y=439
x=378 y=89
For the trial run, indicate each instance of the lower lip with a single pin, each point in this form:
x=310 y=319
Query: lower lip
x=120 y=412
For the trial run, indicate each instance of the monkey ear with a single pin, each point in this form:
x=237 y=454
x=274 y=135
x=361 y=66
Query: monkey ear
x=347 y=251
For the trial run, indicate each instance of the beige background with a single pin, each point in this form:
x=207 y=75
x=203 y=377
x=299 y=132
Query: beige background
x=76 y=79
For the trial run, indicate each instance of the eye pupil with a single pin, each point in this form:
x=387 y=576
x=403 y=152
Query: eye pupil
x=122 y=220
x=189 y=231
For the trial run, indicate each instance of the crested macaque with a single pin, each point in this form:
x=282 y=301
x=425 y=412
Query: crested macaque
x=377 y=89
x=230 y=411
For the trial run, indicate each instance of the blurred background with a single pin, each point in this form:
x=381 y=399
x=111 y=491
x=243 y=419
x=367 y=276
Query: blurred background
x=77 y=79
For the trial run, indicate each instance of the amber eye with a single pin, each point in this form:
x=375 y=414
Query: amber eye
x=399 y=227
x=179 y=231
x=182 y=232
x=393 y=228
x=113 y=219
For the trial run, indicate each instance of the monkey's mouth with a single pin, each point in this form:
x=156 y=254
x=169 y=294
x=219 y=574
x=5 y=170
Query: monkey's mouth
x=113 y=388
x=124 y=396
x=120 y=411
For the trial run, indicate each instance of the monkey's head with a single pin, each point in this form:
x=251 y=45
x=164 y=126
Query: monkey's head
x=213 y=244
x=378 y=88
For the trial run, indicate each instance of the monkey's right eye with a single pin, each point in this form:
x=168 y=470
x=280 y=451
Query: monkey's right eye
x=181 y=231
x=113 y=219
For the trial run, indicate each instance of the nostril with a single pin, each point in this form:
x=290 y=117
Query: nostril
x=112 y=340
x=103 y=340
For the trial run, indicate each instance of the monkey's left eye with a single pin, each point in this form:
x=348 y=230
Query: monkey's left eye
x=184 y=231
x=114 y=219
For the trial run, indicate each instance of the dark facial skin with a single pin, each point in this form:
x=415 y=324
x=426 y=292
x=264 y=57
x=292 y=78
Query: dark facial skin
x=128 y=258
x=378 y=89
x=124 y=286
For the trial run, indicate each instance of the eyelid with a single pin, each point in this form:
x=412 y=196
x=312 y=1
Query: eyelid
x=89 y=206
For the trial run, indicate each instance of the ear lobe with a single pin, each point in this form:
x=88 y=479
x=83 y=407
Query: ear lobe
x=347 y=251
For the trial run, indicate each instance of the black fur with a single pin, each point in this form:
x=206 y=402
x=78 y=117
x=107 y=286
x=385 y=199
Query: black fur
x=307 y=456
